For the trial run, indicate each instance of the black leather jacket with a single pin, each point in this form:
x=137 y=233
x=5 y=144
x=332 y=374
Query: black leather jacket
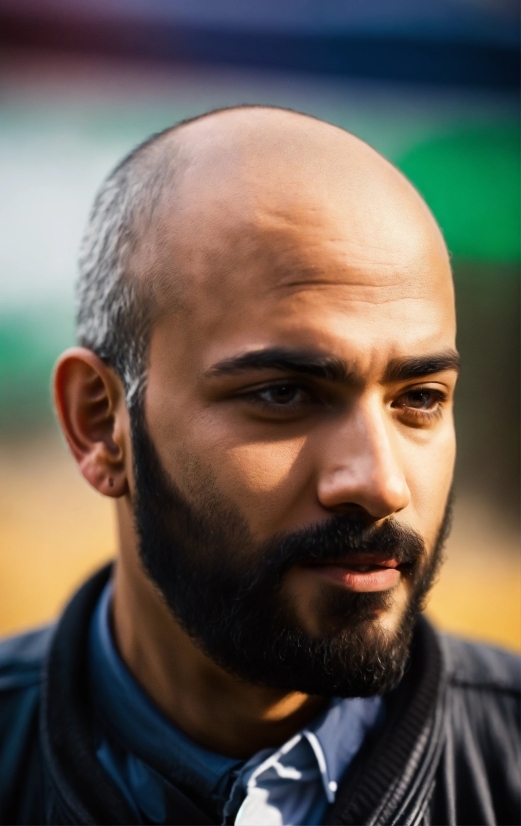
x=449 y=752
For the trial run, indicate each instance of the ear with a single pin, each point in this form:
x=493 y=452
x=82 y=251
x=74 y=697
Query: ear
x=90 y=403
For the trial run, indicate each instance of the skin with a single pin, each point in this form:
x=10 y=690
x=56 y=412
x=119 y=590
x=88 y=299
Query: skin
x=285 y=232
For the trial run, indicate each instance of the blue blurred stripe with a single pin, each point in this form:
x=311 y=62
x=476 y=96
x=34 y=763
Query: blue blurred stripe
x=449 y=54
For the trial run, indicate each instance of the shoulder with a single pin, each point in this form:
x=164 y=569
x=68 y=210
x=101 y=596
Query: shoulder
x=21 y=666
x=21 y=669
x=21 y=658
x=483 y=704
x=478 y=772
x=480 y=666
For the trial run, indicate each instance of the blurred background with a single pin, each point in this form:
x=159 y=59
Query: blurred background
x=431 y=85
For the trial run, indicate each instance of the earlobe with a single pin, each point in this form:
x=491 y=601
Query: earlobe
x=90 y=405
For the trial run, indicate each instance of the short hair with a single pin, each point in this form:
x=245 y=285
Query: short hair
x=114 y=309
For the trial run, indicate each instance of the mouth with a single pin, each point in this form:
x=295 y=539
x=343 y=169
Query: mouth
x=361 y=574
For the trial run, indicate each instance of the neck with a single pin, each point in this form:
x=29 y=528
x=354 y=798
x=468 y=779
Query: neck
x=220 y=712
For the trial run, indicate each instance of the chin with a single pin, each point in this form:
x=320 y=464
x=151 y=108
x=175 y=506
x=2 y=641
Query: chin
x=333 y=610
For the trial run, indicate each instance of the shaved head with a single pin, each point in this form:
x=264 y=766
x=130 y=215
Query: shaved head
x=187 y=206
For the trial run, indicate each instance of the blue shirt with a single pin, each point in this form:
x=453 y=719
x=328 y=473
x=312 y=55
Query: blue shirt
x=148 y=757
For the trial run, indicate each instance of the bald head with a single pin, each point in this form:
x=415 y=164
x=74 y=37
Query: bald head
x=224 y=203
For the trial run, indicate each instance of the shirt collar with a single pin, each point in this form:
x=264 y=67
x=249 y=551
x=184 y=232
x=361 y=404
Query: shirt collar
x=335 y=736
x=338 y=733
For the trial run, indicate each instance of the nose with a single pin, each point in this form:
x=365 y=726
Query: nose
x=362 y=466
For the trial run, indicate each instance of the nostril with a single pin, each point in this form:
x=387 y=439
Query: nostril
x=351 y=506
x=354 y=509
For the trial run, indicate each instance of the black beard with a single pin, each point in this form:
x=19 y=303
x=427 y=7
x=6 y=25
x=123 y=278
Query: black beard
x=227 y=593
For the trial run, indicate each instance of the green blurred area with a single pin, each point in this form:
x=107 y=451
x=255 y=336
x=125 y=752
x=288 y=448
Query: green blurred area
x=488 y=394
x=30 y=341
x=470 y=179
x=468 y=174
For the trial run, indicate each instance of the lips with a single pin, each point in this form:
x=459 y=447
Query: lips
x=363 y=573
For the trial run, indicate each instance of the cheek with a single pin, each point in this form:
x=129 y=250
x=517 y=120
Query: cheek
x=266 y=481
x=430 y=478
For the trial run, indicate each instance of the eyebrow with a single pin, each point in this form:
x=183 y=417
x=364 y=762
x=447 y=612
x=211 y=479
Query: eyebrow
x=418 y=366
x=330 y=368
x=285 y=359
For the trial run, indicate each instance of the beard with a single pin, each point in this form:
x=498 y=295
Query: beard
x=227 y=593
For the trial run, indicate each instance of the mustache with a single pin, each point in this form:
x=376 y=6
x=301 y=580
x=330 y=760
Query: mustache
x=347 y=535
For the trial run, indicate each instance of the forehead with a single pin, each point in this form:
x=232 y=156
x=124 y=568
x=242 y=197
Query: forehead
x=336 y=258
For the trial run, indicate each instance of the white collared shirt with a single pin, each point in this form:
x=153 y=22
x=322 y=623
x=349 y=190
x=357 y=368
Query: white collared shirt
x=296 y=783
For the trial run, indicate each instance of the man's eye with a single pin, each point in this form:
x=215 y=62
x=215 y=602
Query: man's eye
x=424 y=401
x=283 y=394
x=420 y=399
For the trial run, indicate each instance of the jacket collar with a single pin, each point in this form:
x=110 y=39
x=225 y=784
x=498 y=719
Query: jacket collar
x=78 y=790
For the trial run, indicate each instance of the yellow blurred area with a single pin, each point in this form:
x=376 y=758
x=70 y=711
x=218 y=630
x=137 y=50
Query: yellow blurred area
x=55 y=530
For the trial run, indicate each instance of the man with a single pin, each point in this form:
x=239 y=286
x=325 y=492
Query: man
x=264 y=384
